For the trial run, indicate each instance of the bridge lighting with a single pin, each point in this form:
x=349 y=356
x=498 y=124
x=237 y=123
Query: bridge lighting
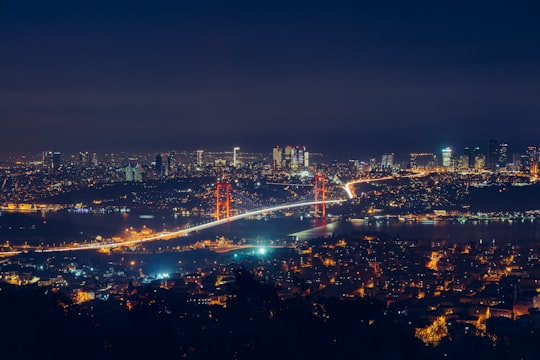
x=320 y=195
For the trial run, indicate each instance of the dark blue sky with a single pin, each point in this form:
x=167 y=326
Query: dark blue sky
x=334 y=76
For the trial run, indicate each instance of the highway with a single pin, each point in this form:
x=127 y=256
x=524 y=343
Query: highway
x=350 y=190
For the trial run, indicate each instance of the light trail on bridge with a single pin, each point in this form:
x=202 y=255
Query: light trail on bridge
x=350 y=191
x=179 y=233
x=173 y=234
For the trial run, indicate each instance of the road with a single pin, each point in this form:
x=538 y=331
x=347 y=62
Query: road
x=350 y=190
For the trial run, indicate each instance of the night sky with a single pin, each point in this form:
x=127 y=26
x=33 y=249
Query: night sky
x=363 y=77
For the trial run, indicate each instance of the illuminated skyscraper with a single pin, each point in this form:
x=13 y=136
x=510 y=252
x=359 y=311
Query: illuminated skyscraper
x=199 y=158
x=133 y=173
x=137 y=173
x=277 y=154
x=476 y=151
x=479 y=161
x=129 y=173
x=503 y=154
x=288 y=156
x=387 y=161
x=467 y=160
x=235 y=156
x=173 y=163
x=532 y=153
x=300 y=152
x=447 y=157
x=291 y=158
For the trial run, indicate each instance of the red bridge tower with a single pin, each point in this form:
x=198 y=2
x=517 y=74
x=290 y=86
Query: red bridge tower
x=320 y=195
x=223 y=200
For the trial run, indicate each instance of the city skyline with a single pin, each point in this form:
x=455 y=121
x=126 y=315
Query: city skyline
x=490 y=150
x=333 y=77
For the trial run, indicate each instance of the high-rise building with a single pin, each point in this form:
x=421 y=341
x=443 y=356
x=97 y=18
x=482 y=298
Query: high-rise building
x=532 y=154
x=159 y=165
x=129 y=173
x=475 y=152
x=387 y=161
x=235 y=156
x=137 y=173
x=493 y=154
x=47 y=157
x=516 y=160
x=199 y=158
x=56 y=160
x=463 y=162
x=133 y=173
x=299 y=153
x=277 y=154
x=479 y=161
x=503 y=154
x=372 y=164
x=447 y=157
x=467 y=159
x=173 y=162
x=288 y=156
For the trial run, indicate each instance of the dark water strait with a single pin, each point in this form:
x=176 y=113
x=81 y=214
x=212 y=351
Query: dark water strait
x=57 y=227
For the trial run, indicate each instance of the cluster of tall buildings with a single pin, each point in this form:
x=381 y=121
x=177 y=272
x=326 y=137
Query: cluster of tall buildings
x=53 y=159
x=290 y=158
x=166 y=165
x=496 y=157
x=387 y=161
x=218 y=159
x=134 y=172
x=475 y=158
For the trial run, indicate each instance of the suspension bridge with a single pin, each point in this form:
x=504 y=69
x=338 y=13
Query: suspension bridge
x=223 y=214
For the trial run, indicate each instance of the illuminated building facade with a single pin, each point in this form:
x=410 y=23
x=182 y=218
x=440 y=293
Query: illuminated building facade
x=290 y=158
x=503 y=154
x=277 y=156
x=133 y=173
x=235 y=156
x=387 y=161
x=199 y=158
x=446 y=157
x=172 y=162
x=479 y=161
